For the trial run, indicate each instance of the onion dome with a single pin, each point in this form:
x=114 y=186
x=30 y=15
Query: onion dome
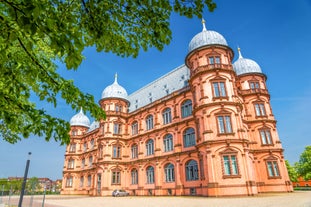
x=80 y=120
x=206 y=37
x=244 y=65
x=114 y=90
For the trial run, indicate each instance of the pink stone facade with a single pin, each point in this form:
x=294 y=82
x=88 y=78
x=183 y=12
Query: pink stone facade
x=217 y=136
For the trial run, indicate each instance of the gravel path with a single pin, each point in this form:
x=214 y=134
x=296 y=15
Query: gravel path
x=295 y=199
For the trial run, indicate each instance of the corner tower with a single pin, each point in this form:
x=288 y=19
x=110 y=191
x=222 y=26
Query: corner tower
x=222 y=141
x=260 y=123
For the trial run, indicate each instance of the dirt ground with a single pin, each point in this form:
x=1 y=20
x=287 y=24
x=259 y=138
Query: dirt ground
x=295 y=199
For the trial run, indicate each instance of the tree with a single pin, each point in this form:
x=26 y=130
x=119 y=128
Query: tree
x=32 y=184
x=35 y=34
x=292 y=172
x=304 y=164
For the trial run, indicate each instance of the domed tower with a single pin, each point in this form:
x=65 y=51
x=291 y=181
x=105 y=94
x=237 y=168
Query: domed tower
x=260 y=123
x=114 y=102
x=221 y=140
x=79 y=123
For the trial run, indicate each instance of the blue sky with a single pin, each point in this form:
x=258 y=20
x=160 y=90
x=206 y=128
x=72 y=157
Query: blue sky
x=276 y=34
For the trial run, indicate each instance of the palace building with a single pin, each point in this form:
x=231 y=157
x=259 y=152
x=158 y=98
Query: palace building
x=205 y=128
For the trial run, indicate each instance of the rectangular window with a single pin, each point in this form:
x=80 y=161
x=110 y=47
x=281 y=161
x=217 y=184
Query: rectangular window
x=116 y=151
x=265 y=135
x=254 y=86
x=211 y=60
x=224 y=124
x=69 y=182
x=260 y=109
x=219 y=89
x=134 y=128
x=90 y=161
x=85 y=147
x=230 y=165
x=71 y=164
x=89 y=180
x=81 y=181
x=273 y=169
x=117 y=128
x=83 y=163
x=134 y=151
x=134 y=177
x=72 y=148
x=116 y=177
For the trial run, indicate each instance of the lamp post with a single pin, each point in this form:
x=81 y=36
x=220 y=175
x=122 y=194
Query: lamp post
x=24 y=181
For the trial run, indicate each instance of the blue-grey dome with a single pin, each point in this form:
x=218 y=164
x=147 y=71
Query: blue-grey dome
x=114 y=91
x=80 y=120
x=244 y=65
x=206 y=37
x=94 y=125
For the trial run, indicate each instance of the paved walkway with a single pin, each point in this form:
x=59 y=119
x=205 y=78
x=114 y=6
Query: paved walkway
x=295 y=199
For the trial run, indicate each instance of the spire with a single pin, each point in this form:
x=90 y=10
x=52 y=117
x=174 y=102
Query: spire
x=116 y=78
x=240 y=55
x=203 y=23
x=81 y=111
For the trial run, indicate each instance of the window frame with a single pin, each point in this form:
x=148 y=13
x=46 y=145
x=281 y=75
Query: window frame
x=134 y=128
x=231 y=166
x=167 y=116
x=265 y=136
x=274 y=171
x=169 y=173
x=149 y=122
x=150 y=175
x=186 y=108
x=224 y=124
x=134 y=176
x=254 y=86
x=69 y=182
x=168 y=143
x=219 y=89
x=115 y=177
x=189 y=137
x=71 y=163
x=260 y=109
x=116 y=151
x=72 y=147
x=117 y=128
x=191 y=170
x=149 y=147
x=134 y=151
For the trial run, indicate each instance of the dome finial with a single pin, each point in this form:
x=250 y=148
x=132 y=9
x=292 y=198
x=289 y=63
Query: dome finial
x=203 y=23
x=116 y=78
x=81 y=110
x=240 y=54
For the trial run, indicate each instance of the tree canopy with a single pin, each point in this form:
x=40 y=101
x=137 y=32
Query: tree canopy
x=34 y=34
x=304 y=165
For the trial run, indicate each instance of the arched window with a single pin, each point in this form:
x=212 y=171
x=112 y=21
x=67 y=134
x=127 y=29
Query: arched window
x=186 y=108
x=134 y=177
x=150 y=147
x=192 y=172
x=167 y=117
x=134 y=128
x=169 y=173
x=150 y=175
x=168 y=143
x=134 y=151
x=149 y=122
x=189 y=137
